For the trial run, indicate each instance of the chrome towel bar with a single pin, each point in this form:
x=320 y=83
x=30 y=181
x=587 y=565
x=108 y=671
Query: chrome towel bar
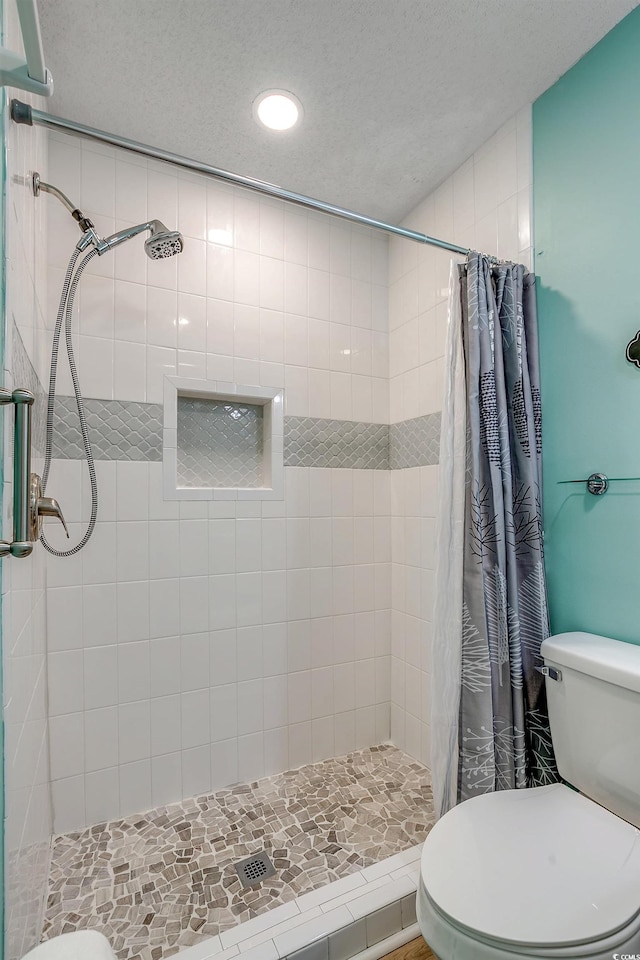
x=598 y=483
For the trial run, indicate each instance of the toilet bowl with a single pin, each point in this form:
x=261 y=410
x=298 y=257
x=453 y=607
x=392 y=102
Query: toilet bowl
x=80 y=945
x=550 y=873
x=530 y=874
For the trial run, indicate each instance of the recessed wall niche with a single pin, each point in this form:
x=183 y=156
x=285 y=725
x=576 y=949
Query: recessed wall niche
x=222 y=441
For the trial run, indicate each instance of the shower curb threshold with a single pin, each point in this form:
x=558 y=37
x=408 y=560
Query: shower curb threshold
x=362 y=916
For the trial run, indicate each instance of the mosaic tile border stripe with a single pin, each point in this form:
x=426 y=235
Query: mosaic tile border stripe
x=311 y=442
x=119 y=430
x=126 y=430
x=415 y=443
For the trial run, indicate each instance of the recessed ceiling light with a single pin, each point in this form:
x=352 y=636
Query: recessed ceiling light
x=277 y=109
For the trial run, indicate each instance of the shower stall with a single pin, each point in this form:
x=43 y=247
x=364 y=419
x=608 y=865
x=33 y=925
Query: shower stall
x=217 y=675
x=216 y=711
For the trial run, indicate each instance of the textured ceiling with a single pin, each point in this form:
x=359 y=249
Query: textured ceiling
x=396 y=93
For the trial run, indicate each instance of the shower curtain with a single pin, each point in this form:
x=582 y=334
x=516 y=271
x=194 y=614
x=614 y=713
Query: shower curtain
x=489 y=719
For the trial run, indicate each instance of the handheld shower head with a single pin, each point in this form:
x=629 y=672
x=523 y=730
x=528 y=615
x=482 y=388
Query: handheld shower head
x=162 y=242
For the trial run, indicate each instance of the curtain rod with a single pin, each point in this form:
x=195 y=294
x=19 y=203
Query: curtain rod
x=23 y=113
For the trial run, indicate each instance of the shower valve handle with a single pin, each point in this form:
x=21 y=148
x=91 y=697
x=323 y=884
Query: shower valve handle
x=48 y=507
x=40 y=507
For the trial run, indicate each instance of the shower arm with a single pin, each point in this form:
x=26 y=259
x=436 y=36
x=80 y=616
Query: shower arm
x=39 y=185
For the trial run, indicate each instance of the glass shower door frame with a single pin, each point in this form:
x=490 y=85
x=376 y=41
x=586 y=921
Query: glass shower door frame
x=3 y=248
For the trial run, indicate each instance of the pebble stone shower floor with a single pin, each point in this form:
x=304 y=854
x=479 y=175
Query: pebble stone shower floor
x=160 y=881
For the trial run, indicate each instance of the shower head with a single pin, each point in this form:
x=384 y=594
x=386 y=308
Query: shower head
x=162 y=242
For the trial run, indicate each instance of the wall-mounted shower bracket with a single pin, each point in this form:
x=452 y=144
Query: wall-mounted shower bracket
x=29 y=506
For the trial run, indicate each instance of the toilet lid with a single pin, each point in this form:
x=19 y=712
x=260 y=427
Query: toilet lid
x=544 y=867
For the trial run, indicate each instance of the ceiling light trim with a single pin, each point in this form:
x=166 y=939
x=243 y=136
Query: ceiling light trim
x=278 y=110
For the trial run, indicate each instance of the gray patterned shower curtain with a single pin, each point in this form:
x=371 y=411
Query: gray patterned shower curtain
x=503 y=732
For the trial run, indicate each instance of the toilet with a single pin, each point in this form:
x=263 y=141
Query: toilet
x=79 y=945
x=551 y=872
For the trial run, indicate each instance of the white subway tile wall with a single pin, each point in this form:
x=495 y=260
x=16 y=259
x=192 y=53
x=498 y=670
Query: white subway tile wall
x=195 y=644
x=484 y=205
x=27 y=823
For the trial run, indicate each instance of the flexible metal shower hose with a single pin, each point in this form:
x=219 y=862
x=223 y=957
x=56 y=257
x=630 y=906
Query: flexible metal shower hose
x=65 y=312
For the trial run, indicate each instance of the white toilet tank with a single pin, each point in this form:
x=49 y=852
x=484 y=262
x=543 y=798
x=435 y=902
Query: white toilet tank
x=594 y=712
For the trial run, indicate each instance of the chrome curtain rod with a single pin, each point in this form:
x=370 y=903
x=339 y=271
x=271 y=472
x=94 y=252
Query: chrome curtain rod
x=23 y=113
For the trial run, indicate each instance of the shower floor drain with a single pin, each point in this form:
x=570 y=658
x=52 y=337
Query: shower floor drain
x=255 y=869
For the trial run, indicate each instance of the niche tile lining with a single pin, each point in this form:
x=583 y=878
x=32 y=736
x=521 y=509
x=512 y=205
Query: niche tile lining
x=222 y=441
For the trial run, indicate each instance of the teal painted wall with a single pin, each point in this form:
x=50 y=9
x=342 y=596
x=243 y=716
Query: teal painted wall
x=586 y=175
